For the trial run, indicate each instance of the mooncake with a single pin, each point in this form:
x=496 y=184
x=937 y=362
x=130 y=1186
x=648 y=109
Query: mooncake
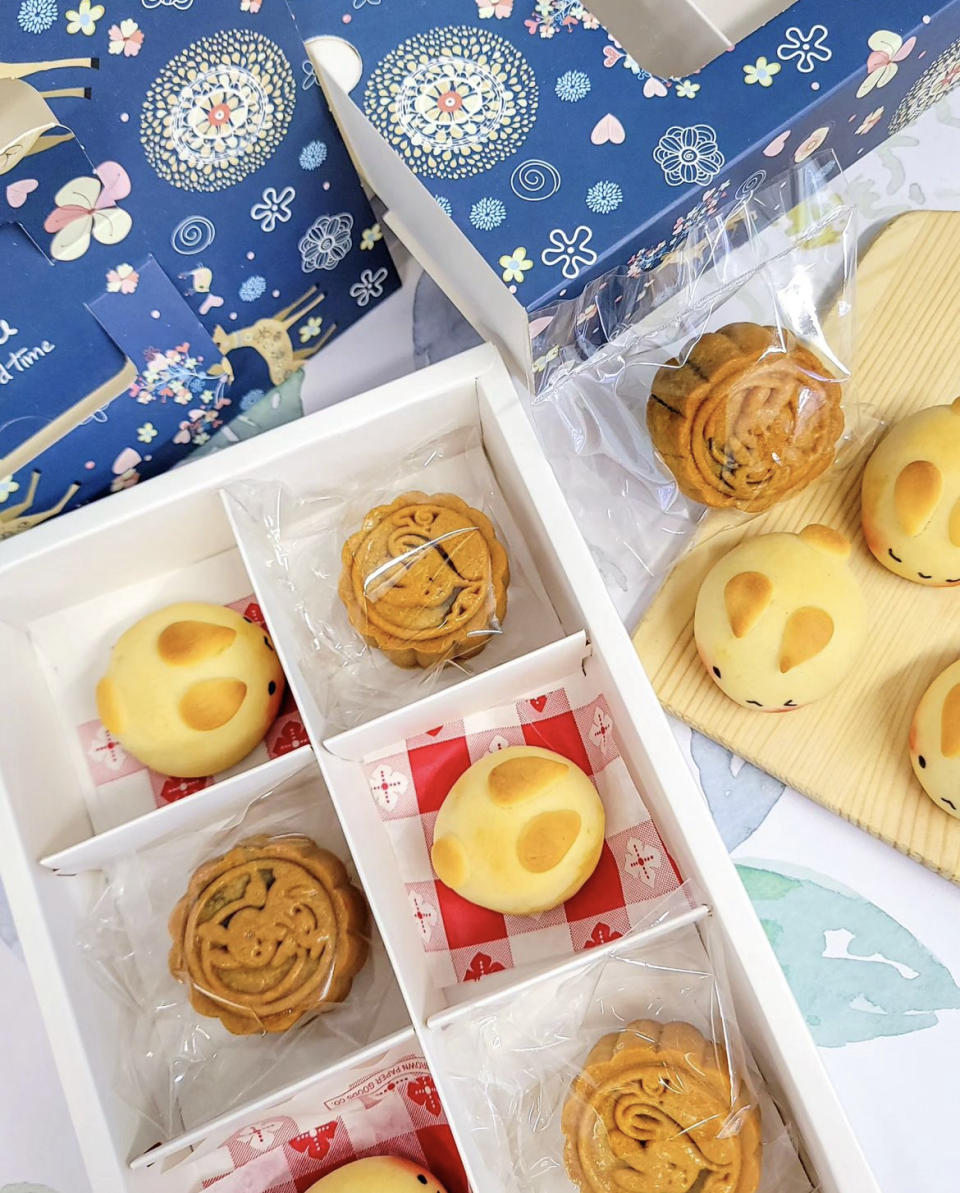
x=425 y=579
x=750 y=416
x=780 y=619
x=520 y=831
x=191 y=689
x=910 y=498
x=653 y=1110
x=268 y=932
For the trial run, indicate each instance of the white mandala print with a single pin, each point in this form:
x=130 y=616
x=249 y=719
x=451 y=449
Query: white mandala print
x=689 y=156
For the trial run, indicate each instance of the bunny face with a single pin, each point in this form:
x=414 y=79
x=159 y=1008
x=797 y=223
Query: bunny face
x=191 y=689
x=519 y=832
x=910 y=498
x=780 y=619
x=935 y=740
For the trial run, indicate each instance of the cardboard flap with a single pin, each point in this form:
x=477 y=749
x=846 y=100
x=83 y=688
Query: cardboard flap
x=679 y=39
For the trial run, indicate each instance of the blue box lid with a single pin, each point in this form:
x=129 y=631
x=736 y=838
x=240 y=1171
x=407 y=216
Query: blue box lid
x=558 y=155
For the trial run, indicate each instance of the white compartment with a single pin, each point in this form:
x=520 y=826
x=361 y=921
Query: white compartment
x=296 y=565
x=59 y=620
x=378 y=1104
x=178 y=519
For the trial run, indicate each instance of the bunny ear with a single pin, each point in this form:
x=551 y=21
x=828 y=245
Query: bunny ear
x=745 y=597
x=808 y=631
x=905 y=49
x=916 y=493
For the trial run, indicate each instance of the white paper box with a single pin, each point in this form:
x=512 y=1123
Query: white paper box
x=146 y=536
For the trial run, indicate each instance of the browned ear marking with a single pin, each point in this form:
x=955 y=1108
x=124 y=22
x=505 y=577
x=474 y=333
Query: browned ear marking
x=915 y=495
x=825 y=538
x=950 y=724
x=184 y=642
x=520 y=778
x=546 y=840
x=450 y=861
x=745 y=596
x=806 y=633
x=212 y=702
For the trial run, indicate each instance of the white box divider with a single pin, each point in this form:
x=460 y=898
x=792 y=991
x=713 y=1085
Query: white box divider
x=178 y=520
x=542 y=668
x=635 y=941
x=178 y=818
x=251 y=1111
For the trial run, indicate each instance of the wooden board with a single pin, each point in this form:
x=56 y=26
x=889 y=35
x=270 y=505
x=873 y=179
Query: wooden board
x=849 y=751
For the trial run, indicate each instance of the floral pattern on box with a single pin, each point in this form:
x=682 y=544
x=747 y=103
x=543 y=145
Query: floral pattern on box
x=191 y=136
x=560 y=156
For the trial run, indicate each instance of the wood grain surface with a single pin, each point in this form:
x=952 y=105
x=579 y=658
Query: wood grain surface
x=849 y=751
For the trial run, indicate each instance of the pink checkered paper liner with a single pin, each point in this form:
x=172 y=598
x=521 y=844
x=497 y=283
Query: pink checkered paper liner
x=107 y=760
x=464 y=942
x=393 y=1111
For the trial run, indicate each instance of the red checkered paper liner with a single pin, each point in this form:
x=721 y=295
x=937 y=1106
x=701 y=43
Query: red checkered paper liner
x=392 y=1110
x=108 y=762
x=464 y=942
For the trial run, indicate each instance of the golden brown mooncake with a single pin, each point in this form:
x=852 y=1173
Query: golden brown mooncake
x=425 y=579
x=751 y=416
x=267 y=932
x=653 y=1110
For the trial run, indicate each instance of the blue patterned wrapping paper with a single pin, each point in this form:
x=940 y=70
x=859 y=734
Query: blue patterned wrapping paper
x=560 y=157
x=203 y=149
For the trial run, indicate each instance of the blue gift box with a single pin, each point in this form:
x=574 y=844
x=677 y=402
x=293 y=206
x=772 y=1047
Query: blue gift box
x=554 y=155
x=184 y=228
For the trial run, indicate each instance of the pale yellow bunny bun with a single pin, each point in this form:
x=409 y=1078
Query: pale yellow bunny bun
x=935 y=740
x=520 y=832
x=378 y=1174
x=780 y=620
x=191 y=689
x=910 y=498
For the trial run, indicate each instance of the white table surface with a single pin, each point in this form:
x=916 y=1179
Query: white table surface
x=870 y=940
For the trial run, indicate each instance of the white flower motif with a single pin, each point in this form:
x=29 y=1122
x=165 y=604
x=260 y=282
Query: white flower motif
x=807 y=48
x=369 y=286
x=105 y=751
x=424 y=914
x=643 y=861
x=570 y=250
x=7 y=486
x=326 y=242
x=689 y=155
x=273 y=208
x=601 y=730
x=387 y=785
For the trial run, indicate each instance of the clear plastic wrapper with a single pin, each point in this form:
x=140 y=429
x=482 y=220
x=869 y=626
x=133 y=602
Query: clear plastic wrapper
x=717 y=380
x=404 y=586
x=628 y=1074
x=238 y=947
